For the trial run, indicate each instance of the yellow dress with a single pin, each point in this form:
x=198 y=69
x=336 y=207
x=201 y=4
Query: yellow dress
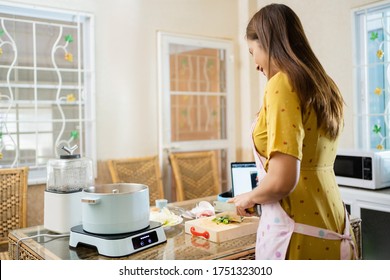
x=316 y=200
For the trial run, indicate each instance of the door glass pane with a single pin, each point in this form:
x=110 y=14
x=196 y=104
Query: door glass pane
x=197 y=117
x=198 y=95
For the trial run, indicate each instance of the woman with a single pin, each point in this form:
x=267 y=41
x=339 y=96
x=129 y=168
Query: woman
x=295 y=140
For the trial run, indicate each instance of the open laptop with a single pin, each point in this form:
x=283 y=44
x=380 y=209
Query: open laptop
x=244 y=177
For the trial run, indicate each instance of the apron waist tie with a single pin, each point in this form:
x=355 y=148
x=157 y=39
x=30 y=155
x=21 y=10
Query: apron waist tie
x=346 y=239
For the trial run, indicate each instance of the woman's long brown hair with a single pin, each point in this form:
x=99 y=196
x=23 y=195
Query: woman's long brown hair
x=279 y=32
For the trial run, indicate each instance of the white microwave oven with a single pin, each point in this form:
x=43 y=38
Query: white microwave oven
x=363 y=169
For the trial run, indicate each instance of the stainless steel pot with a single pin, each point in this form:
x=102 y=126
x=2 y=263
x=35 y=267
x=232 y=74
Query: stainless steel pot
x=115 y=208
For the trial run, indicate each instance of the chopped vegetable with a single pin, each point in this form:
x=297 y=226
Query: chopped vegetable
x=165 y=217
x=227 y=218
x=223 y=219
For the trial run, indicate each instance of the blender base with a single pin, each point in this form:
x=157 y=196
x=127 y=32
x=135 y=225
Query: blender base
x=62 y=210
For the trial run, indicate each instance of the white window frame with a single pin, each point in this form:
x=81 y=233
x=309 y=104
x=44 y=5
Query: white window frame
x=365 y=94
x=83 y=86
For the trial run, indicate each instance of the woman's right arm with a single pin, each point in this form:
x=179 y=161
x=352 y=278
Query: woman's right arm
x=281 y=178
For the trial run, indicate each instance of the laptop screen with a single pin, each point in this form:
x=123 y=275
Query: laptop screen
x=244 y=177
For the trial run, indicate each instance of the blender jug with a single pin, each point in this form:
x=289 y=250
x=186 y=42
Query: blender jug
x=66 y=179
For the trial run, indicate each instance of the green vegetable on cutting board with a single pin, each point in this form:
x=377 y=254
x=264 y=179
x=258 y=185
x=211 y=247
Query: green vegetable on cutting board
x=227 y=218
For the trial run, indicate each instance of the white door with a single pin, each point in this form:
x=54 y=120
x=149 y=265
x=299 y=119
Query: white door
x=196 y=100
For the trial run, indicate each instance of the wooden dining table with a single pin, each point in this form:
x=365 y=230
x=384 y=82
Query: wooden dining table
x=37 y=243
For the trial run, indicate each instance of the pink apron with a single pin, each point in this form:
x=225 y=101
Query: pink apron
x=276 y=227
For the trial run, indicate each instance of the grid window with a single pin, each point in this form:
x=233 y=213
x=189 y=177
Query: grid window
x=372 y=76
x=46 y=86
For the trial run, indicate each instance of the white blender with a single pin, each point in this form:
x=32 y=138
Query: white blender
x=66 y=179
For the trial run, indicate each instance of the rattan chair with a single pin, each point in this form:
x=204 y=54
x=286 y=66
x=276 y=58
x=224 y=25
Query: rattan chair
x=196 y=174
x=13 y=196
x=145 y=170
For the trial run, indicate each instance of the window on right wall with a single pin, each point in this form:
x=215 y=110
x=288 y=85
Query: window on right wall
x=372 y=76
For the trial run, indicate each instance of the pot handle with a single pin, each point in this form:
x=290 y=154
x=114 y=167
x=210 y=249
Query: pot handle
x=90 y=200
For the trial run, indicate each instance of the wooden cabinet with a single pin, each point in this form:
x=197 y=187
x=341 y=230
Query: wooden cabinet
x=373 y=207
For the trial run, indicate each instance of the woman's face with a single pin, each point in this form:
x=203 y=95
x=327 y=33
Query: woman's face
x=260 y=57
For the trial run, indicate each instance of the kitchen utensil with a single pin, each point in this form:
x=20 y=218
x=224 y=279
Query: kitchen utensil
x=221 y=206
x=115 y=208
x=206 y=228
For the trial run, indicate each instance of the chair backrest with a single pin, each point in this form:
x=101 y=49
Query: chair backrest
x=13 y=196
x=196 y=174
x=144 y=170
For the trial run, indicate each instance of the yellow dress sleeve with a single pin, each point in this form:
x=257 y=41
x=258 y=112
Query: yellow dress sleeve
x=285 y=130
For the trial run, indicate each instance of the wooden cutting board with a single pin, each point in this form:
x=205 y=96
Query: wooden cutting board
x=206 y=228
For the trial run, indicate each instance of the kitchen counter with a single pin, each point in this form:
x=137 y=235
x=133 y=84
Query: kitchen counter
x=31 y=244
x=377 y=194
